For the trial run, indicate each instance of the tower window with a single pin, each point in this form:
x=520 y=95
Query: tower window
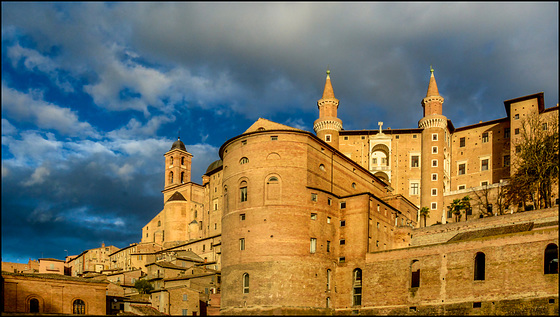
x=462 y=142
x=170 y=177
x=484 y=165
x=434 y=176
x=462 y=169
x=485 y=137
x=414 y=188
x=182 y=160
x=434 y=137
x=243 y=160
x=313 y=245
x=243 y=191
x=479 y=267
x=328 y=138
x=434 y=150
x=434 y=163
x=516 y=131
x=245 y=283
x=242 y=244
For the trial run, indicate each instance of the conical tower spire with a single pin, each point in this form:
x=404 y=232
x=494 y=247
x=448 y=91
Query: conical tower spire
x=328 y=124
x=432 y=86
x=433 y=102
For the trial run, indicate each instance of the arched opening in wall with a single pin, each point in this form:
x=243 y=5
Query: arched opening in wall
x=273 y=188
x=170 y=178
x=379 y=156
x=182 y=160
x=382 y=175
x=245 y=283
x=551 y=259
x=182 y=177
x=415 y=274
x=480 y=267
x=171 y=161
x=243 y=160
x=357 y=287
x=225 y=204
x=243 y=191
x=34 y=305
x=78 y=307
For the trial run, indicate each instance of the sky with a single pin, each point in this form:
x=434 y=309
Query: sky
x=93 y=94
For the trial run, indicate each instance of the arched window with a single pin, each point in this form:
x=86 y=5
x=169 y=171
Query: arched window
x=273 y=189
x=479 y=266
x=245 y=283
x=551 y=259
x=79 y=307
x=182 y=160
x=415 y=274
x=243 y=160
x=357 y=288
x=170 y=177
x=34 y=305
x=171 y=160
x=182 y=177
x=243 y=191
x=159 y=223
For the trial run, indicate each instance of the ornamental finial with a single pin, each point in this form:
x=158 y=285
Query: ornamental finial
x=431 y=69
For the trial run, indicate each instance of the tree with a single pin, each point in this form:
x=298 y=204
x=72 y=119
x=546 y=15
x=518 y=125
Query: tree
x=143 y=286
x=459 y=205
x=483 y=199
x=536 y=164
x=425 y=212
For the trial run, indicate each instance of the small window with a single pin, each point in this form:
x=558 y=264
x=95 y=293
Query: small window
x=462 y=169
x=415 y=161
x=313 y=245
x=516 y=117
x=476 y=304
x=185 y=312
x=434 y=176
x=396 y=137
x=545 y=126
x=516 y=131
x=342 y=242
x=434 y=137
x=357 y=288
x=328 y=219
x=342 y=223
x=354 y=185
x=517 y=149
x=322 y=167
x=345 y=138
x=461 y=187
x=434 y=163
x=484 y=165
x=243 y=160
x=462 y=142
x=182 y=160
x=506 y=160
x=274 y=138
x=313 y=216
x=479 y=267
x=241 y=217
x=328 y=138
x=414 y=188
x=341 y=259
x=507 y=133
x=245 y=283
x=329 y=201
x=434 y=150
x=342 y=205
x=414 y=136
x=78 y=307
x=434 y=206
x=485 y=183
x=328 y=246
x=185 y=297
x=243 y=191
x=242 y=244
x=485 y=137
x=328 y=279
x=434 y=191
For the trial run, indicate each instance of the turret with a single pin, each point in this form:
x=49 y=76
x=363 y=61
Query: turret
x=328 y=125
x=177 y=165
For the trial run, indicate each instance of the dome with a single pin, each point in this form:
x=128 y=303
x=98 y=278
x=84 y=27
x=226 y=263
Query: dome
x=213 y=166
x=178 y=145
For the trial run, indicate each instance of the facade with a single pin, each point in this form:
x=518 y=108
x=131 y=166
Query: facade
x=92 y=260
x=52 y=294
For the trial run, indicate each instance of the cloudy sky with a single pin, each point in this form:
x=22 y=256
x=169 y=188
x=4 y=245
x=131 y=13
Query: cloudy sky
x=94 y=94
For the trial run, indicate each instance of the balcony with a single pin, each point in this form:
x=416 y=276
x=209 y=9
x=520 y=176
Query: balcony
x=380 y=168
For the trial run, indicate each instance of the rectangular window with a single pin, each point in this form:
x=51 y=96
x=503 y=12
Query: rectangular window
x=184 y=297
x=375 y=160
x=328 y=246
x=415 y=161
x=185 y=312
x=242 y=244
x=485 y=137
x=243 y=192
x=434 y=176
x=241 y=216
x=485 y=183
x=244 y=142
x=313 y=216
x=516 y=117
x=342 y=205
x=342 y=242
x=462 y=169
x=461 y=187
x=434 y=206
x=342 y=223
x=329 y=201
x=516 y=131
x=341 y=259
x=434 y=191
x=506 y=133
x=414 y=136
x=462 y=142
x=328 y=219
x=414 y=188
x=396 y=137
x=545 y=126
x=434 y=149
x=328 y=138
x=313 y=197
x=345 y=138
x=434 y=136
x=274 y=138
x=506 y=160
x=434 y=163
x=484 y=165
x=313 y=245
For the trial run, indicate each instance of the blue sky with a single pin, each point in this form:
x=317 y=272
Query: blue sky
x=93 y=94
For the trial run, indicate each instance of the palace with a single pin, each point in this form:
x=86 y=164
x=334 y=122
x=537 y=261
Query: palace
x=329 y=222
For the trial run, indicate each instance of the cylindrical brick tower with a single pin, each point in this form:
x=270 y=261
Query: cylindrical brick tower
x=434 y=126
x=328 y=125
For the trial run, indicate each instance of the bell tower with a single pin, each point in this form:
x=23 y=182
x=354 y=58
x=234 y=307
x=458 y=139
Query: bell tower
x=177 y=165
x=328 y=125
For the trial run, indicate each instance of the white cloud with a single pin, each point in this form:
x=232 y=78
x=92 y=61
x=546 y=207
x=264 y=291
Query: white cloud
x=31 y=108
x=7 y=127
x=38 y=176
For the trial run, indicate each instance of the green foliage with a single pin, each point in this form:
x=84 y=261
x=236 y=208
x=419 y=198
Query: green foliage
x=425 y=212
x=459 y=205
x=143 y=286
x=536 y=165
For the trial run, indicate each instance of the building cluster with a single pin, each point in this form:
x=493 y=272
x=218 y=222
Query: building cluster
x=293 y=222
